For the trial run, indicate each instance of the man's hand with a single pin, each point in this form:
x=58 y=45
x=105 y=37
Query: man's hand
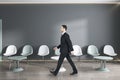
x=55 y=48
x=72 y=52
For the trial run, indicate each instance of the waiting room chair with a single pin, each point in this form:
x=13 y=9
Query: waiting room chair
x=10 y=51
x=109 y=50
x=92 y=50
x=43 y=51
x=27 y=50
x=77 y=51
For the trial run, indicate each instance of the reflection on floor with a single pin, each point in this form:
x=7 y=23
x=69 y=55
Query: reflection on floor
x=40 y=71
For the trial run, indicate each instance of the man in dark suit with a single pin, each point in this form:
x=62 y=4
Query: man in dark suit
x=65 y=50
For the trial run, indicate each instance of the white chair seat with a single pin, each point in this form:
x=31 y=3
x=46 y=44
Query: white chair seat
x=76 y=54
x=106 y=58
x=112 y=54
x=7 y=54
x=96 y=54
x=19 y=58
x=56 y=58
x=25 y=54
x=43 y=54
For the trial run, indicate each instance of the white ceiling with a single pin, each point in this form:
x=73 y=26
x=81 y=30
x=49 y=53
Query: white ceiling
x=59 y=1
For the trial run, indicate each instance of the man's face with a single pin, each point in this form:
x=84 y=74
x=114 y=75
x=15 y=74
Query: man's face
x=62 y=29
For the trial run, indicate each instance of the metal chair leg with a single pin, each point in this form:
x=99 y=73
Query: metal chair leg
x=103 y=66
x=17 y=67
x=10 y=64
x=43 y=59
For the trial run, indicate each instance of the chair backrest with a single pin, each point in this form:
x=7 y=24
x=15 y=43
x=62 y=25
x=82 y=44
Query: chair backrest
x=43 y=50
x=109 y=50
x=57 y=52
x=77 y=50
x=92 y=50
x=11 y=50
x=27 y=50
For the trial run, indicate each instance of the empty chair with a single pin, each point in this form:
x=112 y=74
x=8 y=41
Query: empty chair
x=43 y=51
x=109 y=50
x=77 y=50
x=92 y=50
x=27 y=50
x=11 y=50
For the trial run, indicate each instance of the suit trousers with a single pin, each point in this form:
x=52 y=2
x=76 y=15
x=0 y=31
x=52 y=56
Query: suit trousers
x=61 y=59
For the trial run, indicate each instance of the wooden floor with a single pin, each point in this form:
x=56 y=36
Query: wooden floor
x=40 y=71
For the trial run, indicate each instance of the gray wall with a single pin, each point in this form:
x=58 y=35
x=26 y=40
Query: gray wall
x=38 y=24
x=116 y=29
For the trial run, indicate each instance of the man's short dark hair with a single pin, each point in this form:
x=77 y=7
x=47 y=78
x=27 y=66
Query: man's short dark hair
x=64 y=26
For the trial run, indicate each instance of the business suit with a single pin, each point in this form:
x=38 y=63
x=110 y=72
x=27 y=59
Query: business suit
x=65 y=49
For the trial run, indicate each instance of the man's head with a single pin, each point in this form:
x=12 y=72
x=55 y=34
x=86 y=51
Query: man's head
x=63 y=28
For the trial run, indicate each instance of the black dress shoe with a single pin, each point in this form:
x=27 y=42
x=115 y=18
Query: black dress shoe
x=51 y=71
x=73 y=73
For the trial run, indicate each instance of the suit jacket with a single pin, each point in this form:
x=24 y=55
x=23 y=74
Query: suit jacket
x=65 y=44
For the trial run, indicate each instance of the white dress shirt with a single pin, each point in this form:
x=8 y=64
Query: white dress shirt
x=63 y=32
